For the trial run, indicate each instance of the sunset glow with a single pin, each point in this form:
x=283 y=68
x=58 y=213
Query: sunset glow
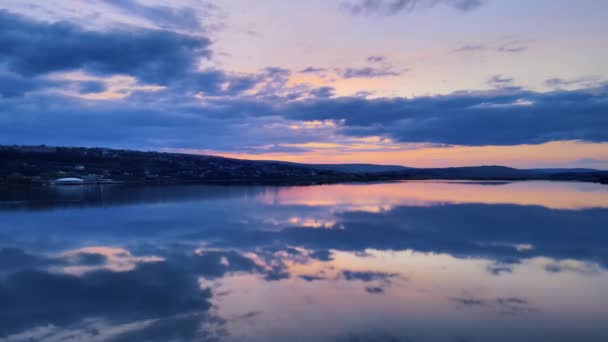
x=413 y=83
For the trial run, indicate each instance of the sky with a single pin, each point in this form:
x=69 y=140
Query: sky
x=423 y=83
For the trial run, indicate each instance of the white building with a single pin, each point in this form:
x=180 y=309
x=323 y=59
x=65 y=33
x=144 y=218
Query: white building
x=69 y=181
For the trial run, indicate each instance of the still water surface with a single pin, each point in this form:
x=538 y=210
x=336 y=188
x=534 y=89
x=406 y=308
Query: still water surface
x=406 y=261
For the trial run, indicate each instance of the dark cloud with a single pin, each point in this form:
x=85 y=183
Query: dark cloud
x=376 y=59
x=313 y=70
x=500 y=47
x=157 y=290
x=581 y=82
x=215 y=264
x=508 y=116
x=150 y=55
x=557 y=267
x=15 y=85
x=448 y=229
x=468 y=301
x=434 y=229
x=502 y=305
x=500 y=81
x=511 y=300
x=15 y=258
x=373 y=337
x=90 y=87
x=391 y=7
x=380 y=280
x=311 y=278
x=378 y=68
x=499 y=269
x=504 y=117
x=367 y=72
x=471 y=48
x=89 y=259
x=558 y=82
x=229 y=232
x=163 y=16
x=512 y=49
x=192 y=327
x=210 y=108
x=323 y=92
x=250 y=314
x=374 y=290
x=367 y=276
x=322 y=255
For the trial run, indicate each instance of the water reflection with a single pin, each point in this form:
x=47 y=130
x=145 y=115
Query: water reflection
x=382 y=197
x=409 y=261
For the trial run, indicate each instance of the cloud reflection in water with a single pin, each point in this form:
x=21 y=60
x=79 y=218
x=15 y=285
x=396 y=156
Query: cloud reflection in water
x=392 y=260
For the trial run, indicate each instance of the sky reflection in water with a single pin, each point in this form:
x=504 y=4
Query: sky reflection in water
x=410 y=261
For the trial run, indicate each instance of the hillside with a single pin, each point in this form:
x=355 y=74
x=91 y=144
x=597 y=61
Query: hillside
x=352 y=168
x=42 y=164
x=48 y=163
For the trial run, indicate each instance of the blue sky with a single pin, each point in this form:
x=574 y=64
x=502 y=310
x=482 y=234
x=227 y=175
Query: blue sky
x=411 y=82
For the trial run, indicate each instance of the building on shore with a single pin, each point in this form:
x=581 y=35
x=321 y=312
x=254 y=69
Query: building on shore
x=69 y=181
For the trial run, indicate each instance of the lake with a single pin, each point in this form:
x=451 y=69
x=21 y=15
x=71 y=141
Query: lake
x=404 y=261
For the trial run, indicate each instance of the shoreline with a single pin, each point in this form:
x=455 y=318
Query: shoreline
x=298 y=182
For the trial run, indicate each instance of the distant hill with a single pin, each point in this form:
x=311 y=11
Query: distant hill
x=40 y=164
x=477 y=172
x=354 y=168
x=575 y=170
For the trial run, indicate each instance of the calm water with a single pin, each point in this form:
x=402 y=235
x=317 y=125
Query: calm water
x=409 y=261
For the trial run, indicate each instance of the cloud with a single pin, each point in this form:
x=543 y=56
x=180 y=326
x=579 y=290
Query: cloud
x=192 y=327
x=32 y=298
x=469 y=301
x=376 y=59
x=503 y=305
x=512 y=49
x=510 y=116
x=392 y=7
x=215 y=264
x=156 y=301
x=509 y=46
x=377 y=67
x=367 y=72
x=499 y=81
x=15 y=258
x=154 y=56
x=499 y=269
x=89 y=87
x=311 y=278
x=374 y=290
x=163 y=16
x=323 y=92
x=381 y=280
x=581 y=82
x=15 y=85
x=444 y=229
x=89 y=259
x=367 y=276
x=313 y=70
x=471 y=48
x=175 y=118
x=229 y=244
x=210 y=108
